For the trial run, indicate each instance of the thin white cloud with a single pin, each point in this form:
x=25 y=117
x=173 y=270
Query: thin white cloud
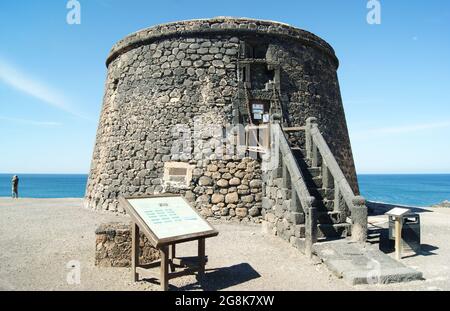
x=407 y=129
x=31 y=122
x=20 y=81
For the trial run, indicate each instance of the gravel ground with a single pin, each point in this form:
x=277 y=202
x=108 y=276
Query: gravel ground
x=38 y=238
x=434 y=261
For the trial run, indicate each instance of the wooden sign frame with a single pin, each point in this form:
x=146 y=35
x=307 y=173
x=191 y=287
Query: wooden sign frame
x=398 y=213
x=156 y=242
x=166 y=246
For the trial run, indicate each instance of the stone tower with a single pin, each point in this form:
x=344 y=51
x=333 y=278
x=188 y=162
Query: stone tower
x=165 y=80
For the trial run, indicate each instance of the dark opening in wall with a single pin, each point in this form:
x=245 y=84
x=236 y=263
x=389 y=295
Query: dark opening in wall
x=260 y=75
x=256 y=50
x=260 y=51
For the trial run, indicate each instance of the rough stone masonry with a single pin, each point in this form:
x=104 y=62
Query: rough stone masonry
x=165 y=81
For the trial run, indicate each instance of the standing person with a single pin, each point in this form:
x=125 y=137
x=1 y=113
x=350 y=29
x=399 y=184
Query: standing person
x=15 y=187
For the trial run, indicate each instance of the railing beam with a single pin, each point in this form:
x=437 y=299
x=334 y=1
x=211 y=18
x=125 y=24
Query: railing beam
x=286 y=176
x=337 y=197
x=355 y=204
x=327 y=182
x=301 y=200
x=295 y=203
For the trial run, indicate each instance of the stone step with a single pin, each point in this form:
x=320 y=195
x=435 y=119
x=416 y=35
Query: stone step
x=315 y=182
x=358 y=264
x=330 y=217
x=321 y=194
x=301 y=152
x=314 y=171
x=333 y=230
x=328 y=204
x=324 y=206
x=300 y=160
x=326 y=193
x=327 y=230
x=308 y=162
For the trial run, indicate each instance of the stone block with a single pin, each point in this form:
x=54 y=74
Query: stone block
x=254 y=211
x=217 y=198
x=235 y=181
x=267 y=203
x=297 y=218
x=241 y=212
x=113 y=246
x=298 y=243
x=266 y=227
x=271 y=217
x=232 y=198
x=205 y=181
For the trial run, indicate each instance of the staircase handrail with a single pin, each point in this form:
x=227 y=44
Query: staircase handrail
x=292 y=172
x=315 y=145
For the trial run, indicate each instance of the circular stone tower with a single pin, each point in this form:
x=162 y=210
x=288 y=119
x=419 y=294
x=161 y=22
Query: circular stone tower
x=218 y=71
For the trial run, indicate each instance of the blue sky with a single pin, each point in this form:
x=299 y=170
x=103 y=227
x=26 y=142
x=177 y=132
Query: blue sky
x=395 y=77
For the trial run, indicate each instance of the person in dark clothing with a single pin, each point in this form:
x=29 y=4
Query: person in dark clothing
x=15 y=187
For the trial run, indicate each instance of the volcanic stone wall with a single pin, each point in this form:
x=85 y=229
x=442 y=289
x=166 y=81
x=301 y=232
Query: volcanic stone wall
x=186 y=73
x=113 y=244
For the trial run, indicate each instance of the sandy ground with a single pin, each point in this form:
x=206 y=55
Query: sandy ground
x=434 y=261
x=39 y=238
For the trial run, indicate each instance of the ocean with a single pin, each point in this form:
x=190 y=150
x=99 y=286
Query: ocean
x=45 y=185
x=411 y=190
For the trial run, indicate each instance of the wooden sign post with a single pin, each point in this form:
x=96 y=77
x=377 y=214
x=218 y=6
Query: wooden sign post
x=167 y=220
x=398 y=215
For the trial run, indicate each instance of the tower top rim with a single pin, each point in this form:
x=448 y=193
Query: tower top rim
x=217 y=26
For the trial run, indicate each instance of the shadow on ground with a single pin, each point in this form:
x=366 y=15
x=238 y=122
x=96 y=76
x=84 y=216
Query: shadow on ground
x=425 y=250
x=218 y=279
x=222 y=278
x=380 y=236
